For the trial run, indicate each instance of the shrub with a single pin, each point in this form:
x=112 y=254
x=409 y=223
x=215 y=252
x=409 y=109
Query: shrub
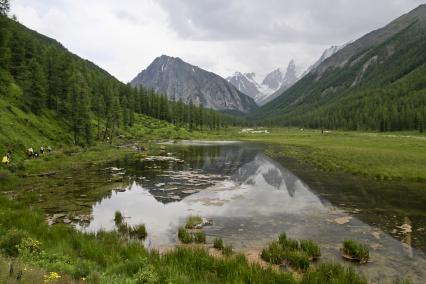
x=10 y=241
x=146 y=274
x=227 y=250
x=185 y=236
x=218 y=243
x=29 y=246
x=118 y=218
x=138 y=232
x=200 y=237
x=193 y=221
x=356 y=250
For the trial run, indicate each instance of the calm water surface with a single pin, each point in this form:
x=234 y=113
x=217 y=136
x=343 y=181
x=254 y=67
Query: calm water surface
x=251 y=199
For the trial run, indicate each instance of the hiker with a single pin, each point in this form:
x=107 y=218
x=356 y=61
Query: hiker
x=41 y=150
x=9 y=155
x=5 y=160
x=49 y=149
x=36 y=155
x=30 y=152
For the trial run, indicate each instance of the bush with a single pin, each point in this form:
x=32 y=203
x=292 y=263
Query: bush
x=138 y=232
x=193 y=221
x=29 y=246
x=227 y=250
x=185 y=236
x=200 y=237
x=10 y=242
x=356 y=250
x=218 y=243
x=146 y=274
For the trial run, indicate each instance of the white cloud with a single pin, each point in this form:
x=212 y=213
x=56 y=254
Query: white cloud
x=222 y=36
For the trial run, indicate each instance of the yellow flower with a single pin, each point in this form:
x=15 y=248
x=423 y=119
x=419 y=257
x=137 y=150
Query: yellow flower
x=51 y=277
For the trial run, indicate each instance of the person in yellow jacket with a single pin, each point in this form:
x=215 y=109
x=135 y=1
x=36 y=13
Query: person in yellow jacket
x=5 y=160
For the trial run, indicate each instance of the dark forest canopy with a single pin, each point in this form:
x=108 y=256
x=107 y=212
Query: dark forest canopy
x=38 y=74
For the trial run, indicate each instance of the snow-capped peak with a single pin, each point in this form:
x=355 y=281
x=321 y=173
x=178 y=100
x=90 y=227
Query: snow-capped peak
x=277 y=79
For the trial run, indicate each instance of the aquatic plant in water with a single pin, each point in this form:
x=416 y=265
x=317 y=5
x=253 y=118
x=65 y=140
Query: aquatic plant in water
x=354 y=250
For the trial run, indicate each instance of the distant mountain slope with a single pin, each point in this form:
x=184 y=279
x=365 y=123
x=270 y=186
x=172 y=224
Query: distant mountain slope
x=182 y=81
x=279 y=79
x=326 y=54
x=245 y=83
x=377 y=82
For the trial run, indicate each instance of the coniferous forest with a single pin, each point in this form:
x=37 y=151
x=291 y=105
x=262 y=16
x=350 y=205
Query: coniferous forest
x=38 y=74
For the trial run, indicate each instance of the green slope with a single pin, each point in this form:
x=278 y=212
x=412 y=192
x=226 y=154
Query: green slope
x=50 y=96
x=375 y=83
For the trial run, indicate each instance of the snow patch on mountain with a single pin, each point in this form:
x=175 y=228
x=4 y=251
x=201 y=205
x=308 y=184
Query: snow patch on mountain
x=278 y=79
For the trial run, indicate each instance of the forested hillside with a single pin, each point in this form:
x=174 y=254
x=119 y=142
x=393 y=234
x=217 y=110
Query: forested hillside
x=375 y=83
x=44 y=87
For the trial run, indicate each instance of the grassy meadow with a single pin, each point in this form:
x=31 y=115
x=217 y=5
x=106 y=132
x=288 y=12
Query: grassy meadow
x=382 y=156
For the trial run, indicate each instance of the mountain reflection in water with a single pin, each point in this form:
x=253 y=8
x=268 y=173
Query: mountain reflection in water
x=251 y=199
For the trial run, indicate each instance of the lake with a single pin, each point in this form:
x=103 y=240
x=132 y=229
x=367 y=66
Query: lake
x=251 y=199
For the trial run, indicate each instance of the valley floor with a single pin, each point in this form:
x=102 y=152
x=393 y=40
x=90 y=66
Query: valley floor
x=107 y=258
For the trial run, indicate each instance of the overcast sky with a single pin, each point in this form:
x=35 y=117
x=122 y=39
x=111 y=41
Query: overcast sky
x=221 y=36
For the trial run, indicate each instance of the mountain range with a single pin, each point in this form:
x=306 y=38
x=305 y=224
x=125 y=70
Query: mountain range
x=279 y=79
x=181 y=81
x=376 y=82
x=276 y=82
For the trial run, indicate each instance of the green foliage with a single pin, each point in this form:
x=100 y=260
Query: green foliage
x=310 y=248
x=218 y=243
x=332 y=273
x=185 y=236
x=9 y=242
x=138 y=231
x=297 y=253
x=118 y=218
x=356 y=250
x=59 y=92
x=200 y=237
x=227 y=250
x=193 y=221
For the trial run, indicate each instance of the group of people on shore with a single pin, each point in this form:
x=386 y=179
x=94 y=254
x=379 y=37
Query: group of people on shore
x=34 y=154
x=7 y=159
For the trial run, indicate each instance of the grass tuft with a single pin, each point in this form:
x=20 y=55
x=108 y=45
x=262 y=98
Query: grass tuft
x=200 y=237
x=227 y=250
x=218 y=243
x=185 y=236
x=356 y=250
x=294 y=252
x=138 y=231
x=193 y=221
x=118 y=218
